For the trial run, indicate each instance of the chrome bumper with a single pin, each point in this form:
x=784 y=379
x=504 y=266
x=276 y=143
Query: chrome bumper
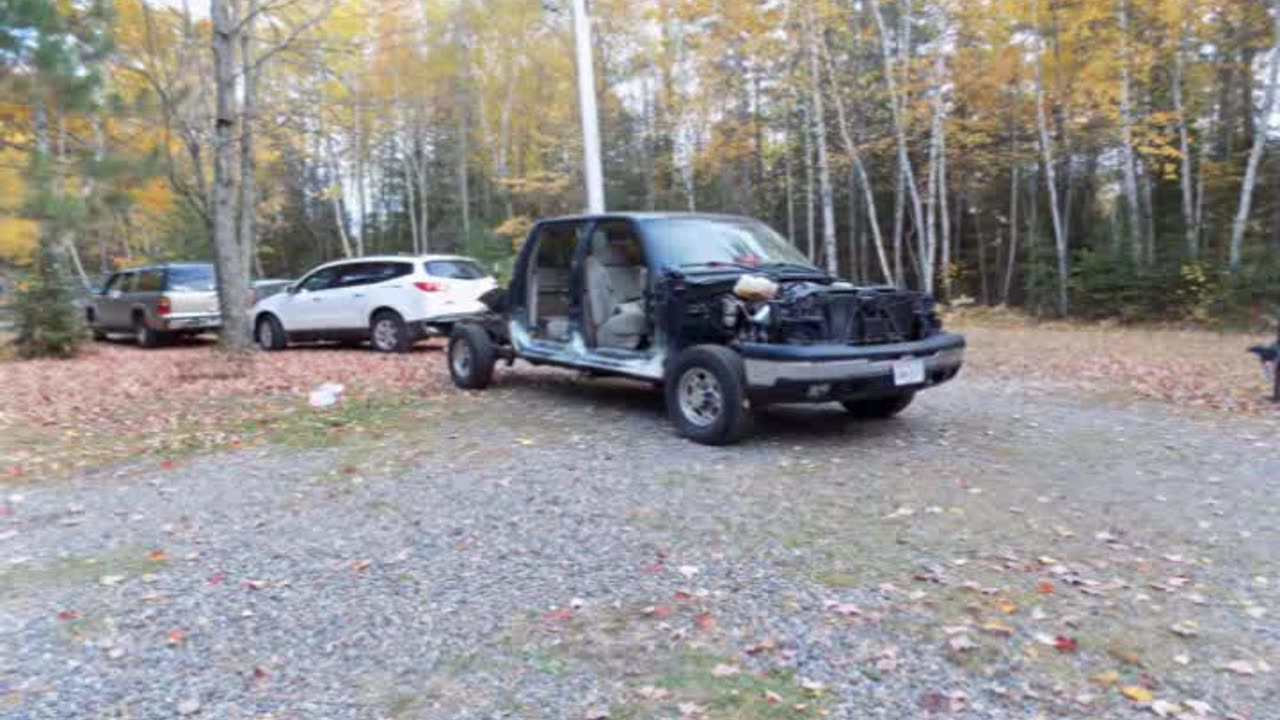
x=769 y=373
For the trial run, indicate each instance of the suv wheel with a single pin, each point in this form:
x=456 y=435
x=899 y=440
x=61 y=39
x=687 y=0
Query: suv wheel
x=881 y=408
x=706 y=394
x=269 y=333
x=144 y=335
x=388 y=333
x=471 y=357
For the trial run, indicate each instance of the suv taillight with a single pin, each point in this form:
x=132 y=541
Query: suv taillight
x=164 y=306
x=430 y=286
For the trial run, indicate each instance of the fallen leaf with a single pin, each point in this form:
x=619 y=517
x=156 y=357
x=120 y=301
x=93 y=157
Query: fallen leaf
x=68 y=615
x=176 y=637
x=1240 y=667
x=995 y=627
x=688 y=571
x=1182 y=659
x=1106 y=679
x=1136 y=693
x=157 y=555
x=813 y=686
x=1065 y=644
x=111 y=580
x=704 y=621
x=722 y=670
x=844 y=609
x=558 y=615
x=360 y=565
x=772 y=697
x=658 y=611
x=1164 y=708
x=217 y=578
x=1006 y=606
x=1045 y=588
x=190 y=706
x=690 y=710
x=649 y=692
x=525 y=442
x=1185 y=628
x=961 y=643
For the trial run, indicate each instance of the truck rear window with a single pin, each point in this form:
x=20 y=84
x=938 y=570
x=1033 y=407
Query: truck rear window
x=193 y=278
x=455 y=269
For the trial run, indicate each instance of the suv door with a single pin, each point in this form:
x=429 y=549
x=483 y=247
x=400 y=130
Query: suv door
x=367 y=285
x=112 y=308
x=305 y=309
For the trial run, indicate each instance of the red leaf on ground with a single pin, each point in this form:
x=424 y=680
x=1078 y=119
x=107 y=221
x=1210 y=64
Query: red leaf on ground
x=68 y=615
x=558 y=615
x=217 y=578
x=177 y=637
x=654 y=569
x=1045 y=588
x=704 y=621
x=1065 y=644
x=683 y=596
x=167 y=464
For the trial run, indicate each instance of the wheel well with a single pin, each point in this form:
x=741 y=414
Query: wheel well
x=384 y=309
x=138 y=314
x=257 y=319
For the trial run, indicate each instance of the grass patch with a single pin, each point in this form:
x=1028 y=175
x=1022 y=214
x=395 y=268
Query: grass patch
x=62 y=572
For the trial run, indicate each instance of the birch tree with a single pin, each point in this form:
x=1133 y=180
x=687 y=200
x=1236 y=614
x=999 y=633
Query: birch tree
x=1260 y=138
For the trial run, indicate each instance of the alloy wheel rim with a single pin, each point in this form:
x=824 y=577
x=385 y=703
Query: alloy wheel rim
x=701 y=398
x=384 y=334
x=265 y=335
x=461 y=358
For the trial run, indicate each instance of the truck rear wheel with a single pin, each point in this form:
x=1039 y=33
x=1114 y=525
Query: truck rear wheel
x=472 y=355
x=706 y=393
x=881 y=408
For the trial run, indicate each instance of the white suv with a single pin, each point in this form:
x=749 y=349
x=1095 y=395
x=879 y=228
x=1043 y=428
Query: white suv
x=389 y=300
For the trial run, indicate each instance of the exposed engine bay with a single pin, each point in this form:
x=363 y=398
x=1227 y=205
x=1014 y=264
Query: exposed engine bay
x=759 y=309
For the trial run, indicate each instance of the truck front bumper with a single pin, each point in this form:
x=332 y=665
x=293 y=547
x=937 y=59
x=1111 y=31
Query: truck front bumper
x=822 y=373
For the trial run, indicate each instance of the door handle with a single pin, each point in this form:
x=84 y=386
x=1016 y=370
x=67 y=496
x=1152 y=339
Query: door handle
x=357 y=295
x=316 y=299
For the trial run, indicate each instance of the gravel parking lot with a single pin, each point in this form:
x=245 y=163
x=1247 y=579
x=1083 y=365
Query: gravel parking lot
x=549 y=549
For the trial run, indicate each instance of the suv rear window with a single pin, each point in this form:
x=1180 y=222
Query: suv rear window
x=150 y=281
x=455 y=269
x=191 y=278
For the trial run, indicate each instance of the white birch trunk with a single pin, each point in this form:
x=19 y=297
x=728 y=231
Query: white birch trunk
x=1184 y=147
x=1046 y=149
x=1236 y=251
x=830 y=252
x=1127 y=159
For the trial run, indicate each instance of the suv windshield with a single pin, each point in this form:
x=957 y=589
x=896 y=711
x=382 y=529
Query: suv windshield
x=191 y=278
x=721 y=242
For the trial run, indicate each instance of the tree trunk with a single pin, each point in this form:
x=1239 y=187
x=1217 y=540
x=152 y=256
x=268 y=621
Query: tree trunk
x=896 y=102
x=855 y=156
x=1184 y=147
x=1127 y=159
x=1046 y=148
x=1236 y=252
x=1012 y=259
x=248 y=166
x=830 y=252
x=233 y=277
x=810 y=222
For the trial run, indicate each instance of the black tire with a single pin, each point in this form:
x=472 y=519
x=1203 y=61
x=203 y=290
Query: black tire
x=881 y=408
x=472 y=355
x=388 y=333
x=144 y=335
x=269 y=333
x=719 y=415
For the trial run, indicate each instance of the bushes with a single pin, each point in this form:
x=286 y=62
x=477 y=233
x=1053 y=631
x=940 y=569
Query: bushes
x=1108 y=285
x=44 y=310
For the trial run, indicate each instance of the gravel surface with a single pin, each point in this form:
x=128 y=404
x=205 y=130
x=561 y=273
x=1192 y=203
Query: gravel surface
x=548 y=549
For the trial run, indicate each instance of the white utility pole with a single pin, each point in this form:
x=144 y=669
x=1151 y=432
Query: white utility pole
x=587 y=103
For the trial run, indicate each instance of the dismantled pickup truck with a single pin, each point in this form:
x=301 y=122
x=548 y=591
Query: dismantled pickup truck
x=721 y=312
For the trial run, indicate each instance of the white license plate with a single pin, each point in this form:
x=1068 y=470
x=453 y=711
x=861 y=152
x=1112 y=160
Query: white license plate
x=908 y=372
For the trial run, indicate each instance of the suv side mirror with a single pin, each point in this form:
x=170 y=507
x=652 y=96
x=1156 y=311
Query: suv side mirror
x=292 y=288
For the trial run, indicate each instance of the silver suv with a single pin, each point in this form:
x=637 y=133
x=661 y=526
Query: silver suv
x=156 y=302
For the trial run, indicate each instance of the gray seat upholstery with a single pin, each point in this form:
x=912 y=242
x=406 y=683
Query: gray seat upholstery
x=615 y=289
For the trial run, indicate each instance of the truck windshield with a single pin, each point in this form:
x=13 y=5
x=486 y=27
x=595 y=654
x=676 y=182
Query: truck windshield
x=721 y=242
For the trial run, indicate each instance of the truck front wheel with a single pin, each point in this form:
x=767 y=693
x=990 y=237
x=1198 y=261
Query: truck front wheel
x=472 y=355
x=706 y=393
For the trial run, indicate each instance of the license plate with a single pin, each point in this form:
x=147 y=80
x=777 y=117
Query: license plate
x=908 y=372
